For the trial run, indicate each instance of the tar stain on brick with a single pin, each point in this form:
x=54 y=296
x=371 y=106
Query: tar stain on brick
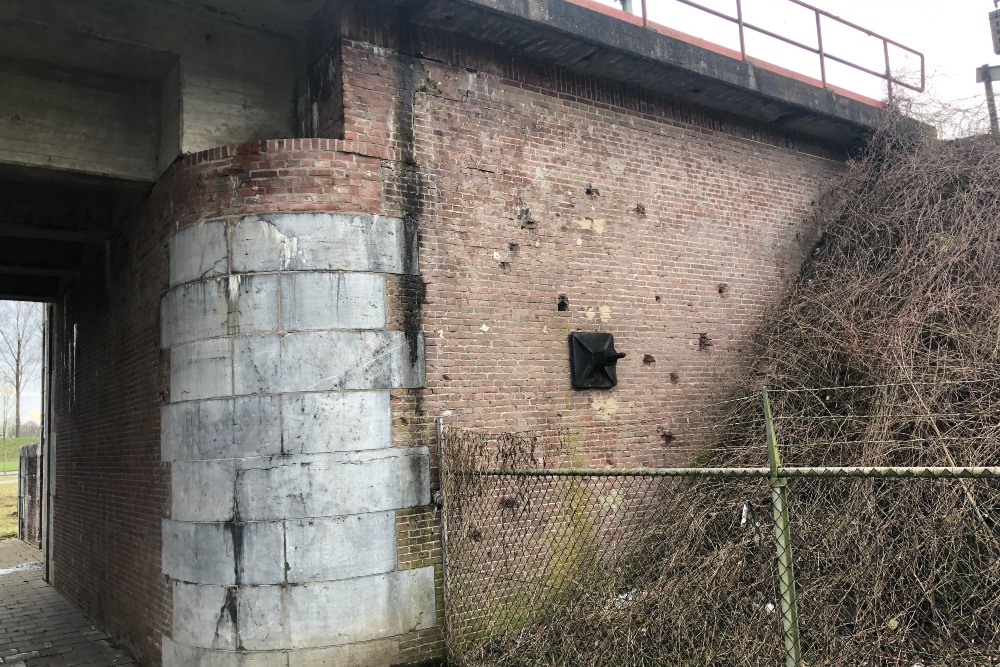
x=409 y=185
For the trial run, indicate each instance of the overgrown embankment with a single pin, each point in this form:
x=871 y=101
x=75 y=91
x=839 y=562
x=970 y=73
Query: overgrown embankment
x=885 y=352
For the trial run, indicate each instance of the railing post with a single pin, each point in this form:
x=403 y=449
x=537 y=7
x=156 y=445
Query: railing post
x=739 y=21
x=822 y=53
x=783 y=538
x=888 y=70
x=645 y=14
x=440 y=501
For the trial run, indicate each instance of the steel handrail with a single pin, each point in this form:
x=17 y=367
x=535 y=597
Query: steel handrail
x=819 y=50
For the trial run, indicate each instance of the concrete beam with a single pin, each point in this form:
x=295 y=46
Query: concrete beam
x=48 y=233
x=29 y=288
x=39 y=271
x=122 y=87
x=592 y=43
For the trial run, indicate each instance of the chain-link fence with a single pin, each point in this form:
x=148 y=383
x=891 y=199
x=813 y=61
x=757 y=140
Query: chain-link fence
x=758 y=563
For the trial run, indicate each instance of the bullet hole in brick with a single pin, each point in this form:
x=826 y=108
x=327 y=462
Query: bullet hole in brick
x=648 y=359
x=704 y=342
x=445 y=377
x=667 y=436
x=563 y=304
x=504 y=266
x=640 y=210
x=592 y=191
x=476 y=535
x=402 y=420
x=513 y=247
x=674 y=377
x=723 y=289
x=508 y=503
x=524 y=216
x=658 y=299
x=439 y=133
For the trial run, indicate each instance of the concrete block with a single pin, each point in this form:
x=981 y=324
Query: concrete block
x=252 y=302
x=221 y=428
x=338 y=612
x=224 y=553
x=327 y=360
x=257 y=364
x=202 y=369
x=336 y=422
x=332 y=301
x=198 y=251
x=238 y=304
x=193 y=311
x=378 y=653
x=341 y=547
x=181 y=655
x=202 y=490
x=265 y=615
x=206 y=616
x=323 y=242
x=328 y=485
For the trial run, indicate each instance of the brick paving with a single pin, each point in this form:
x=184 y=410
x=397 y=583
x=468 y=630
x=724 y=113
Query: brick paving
x=38 y=627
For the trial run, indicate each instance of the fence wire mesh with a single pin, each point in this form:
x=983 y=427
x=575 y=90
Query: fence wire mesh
x=737 y=558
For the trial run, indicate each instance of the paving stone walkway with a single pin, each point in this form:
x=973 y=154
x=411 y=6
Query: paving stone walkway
x=38 y=628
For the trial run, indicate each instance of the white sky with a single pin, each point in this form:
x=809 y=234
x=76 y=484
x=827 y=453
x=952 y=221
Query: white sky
x=954 y=36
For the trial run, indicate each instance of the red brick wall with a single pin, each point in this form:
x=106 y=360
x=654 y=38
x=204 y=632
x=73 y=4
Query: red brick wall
x=111 y=488
x=669 y=226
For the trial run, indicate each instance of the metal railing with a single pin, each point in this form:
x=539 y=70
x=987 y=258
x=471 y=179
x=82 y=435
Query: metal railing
x=819 y=50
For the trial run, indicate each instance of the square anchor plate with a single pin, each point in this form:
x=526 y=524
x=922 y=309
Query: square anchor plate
x=592 y=359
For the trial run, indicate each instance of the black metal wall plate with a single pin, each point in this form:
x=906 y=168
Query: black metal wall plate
x=592 y=359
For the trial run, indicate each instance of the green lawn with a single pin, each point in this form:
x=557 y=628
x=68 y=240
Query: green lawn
x=8 y=451
x=8 y=510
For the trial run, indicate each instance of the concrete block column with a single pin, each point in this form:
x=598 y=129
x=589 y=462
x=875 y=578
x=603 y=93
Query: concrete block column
x=281 y=545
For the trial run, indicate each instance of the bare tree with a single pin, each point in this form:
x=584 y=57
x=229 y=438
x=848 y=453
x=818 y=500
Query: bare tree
x=6 y=410
x=20 y=348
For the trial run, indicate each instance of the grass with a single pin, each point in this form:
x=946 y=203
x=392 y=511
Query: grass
x=8 y=451
x=8 y=510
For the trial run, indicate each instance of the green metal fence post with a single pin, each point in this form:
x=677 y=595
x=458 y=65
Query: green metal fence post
x=783 y=537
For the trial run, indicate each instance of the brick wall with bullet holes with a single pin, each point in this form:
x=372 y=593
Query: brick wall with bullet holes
x=549 y=203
